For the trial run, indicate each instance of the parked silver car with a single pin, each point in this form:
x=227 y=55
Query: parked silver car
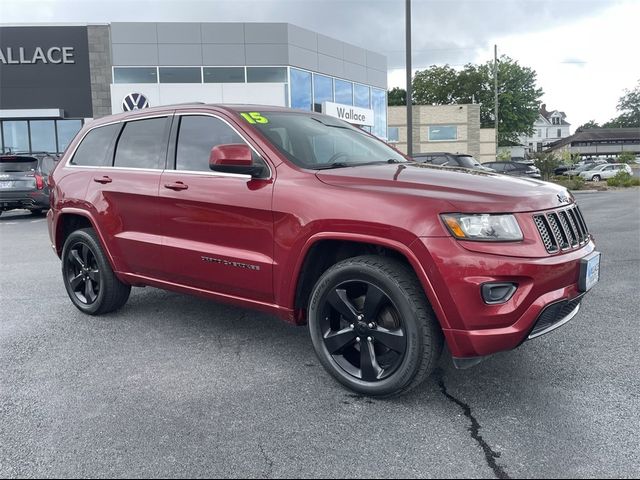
x=608 y=170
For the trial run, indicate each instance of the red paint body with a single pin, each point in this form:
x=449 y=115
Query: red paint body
x=156 y=235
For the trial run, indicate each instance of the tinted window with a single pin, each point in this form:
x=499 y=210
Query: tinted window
x=142 y=144
x=93 y=149
x=224 y=74
x=17 y=164
x=266 y=74
x=180 y=75
x=135 y=75
x=197 y=136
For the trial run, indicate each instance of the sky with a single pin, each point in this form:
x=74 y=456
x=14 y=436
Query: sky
x=585 y=52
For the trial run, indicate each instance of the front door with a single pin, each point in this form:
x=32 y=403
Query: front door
x=217 y=227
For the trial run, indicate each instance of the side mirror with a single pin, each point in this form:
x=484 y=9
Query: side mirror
x=234 y=158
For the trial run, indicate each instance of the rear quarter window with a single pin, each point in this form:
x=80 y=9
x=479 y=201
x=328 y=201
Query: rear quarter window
x=94 y=149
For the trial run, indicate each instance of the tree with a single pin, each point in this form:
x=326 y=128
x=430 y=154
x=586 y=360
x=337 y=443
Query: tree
x=547 y=163
x=519 y=96
x=397 y=96
x=629 y=106
x=588 y=125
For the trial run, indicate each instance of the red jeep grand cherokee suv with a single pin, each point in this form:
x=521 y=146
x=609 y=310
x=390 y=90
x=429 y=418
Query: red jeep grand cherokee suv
x=306 y=217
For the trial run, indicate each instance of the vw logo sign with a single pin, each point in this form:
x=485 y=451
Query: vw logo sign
x=134 y=101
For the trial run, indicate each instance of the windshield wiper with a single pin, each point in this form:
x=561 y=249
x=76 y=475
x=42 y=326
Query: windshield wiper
x=334 y=165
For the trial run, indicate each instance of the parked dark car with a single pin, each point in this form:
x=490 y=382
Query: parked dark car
x=516 y=169
x=24 y=181
x=450 y=160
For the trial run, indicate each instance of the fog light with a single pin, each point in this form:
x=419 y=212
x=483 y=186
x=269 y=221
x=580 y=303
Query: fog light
x=494 y=293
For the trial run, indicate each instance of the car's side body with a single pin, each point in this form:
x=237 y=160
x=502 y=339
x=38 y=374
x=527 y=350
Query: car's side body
x=263 y=242
x=604 y=171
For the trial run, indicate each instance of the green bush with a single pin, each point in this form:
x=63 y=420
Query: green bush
x=627 y=157
x=571 y=183
x=623 y=179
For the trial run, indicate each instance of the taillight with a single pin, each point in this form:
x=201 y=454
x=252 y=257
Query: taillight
x=39 y=182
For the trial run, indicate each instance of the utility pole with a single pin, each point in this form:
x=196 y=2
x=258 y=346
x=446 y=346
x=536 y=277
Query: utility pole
x=409 y=90
x=495 y=84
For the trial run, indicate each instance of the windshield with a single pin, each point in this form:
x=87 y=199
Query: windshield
x=319 y=141
x=18 y=164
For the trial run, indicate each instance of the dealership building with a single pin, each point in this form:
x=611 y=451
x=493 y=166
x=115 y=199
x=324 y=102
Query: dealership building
x=55 y=78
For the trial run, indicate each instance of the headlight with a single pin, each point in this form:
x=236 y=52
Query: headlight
x=483 y=227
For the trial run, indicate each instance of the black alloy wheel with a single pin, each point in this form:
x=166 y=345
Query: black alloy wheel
x=88 y=277
x=362 y=330
x=372 y=327
x=82 y=272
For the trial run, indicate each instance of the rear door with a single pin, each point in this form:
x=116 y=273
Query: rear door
x=217 y=227
x=124 y=194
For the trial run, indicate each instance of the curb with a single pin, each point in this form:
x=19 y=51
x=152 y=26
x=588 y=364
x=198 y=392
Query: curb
x=586 y=191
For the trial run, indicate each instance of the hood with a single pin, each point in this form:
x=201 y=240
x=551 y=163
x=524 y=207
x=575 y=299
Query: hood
x=465 y=190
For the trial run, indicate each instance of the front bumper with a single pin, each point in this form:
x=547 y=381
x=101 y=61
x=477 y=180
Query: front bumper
x=474 y=329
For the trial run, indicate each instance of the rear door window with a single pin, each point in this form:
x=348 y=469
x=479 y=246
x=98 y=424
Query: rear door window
x=143 y=144
x=94 y=149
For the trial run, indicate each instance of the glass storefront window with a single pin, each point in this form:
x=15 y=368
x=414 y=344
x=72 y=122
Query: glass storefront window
x=16 y=136
x=344 y=92
x=266 y=74
x=180 y=75
x=43 y=136
x=379 y=105
x=135 y=75
x=322 y=89
x=67 y=129
x=361 y=96
x=223 y=74
x=300 y=82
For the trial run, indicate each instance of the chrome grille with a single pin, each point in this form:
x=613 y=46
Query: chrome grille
x=562 y=229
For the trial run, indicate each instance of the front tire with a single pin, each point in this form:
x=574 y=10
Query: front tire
x=595 y=178
x=88 y=277
x=372 y=327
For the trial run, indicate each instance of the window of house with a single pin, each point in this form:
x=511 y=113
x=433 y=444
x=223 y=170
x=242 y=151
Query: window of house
x=559 y=133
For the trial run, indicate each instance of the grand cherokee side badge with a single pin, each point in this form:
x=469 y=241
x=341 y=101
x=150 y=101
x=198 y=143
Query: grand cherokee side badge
x=229 y=263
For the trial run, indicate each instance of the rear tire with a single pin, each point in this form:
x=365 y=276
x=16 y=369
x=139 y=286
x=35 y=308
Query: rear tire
x=88 y=277
x=372 y=327
x=595 y=178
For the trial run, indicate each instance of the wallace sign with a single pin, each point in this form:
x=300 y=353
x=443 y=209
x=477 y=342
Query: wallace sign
x=46 y=68
x=43 y=55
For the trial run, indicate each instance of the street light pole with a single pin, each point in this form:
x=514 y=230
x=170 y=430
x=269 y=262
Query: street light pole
x=409 y=90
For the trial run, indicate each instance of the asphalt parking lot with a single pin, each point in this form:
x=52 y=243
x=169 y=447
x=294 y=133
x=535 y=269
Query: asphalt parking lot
x=178 y=386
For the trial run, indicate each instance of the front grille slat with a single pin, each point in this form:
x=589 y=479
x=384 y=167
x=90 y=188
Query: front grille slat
x=562 y=229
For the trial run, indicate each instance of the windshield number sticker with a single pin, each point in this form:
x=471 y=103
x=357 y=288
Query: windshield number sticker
x=254 y=117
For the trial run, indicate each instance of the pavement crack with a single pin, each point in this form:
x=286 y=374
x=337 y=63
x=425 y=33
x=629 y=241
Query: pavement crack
x=490 y=455
x=267 y=460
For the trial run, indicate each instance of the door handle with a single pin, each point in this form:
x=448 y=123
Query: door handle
x=176 y=186
x=102 y=180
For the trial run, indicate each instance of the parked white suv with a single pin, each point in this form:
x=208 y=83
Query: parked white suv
x=608 y=170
